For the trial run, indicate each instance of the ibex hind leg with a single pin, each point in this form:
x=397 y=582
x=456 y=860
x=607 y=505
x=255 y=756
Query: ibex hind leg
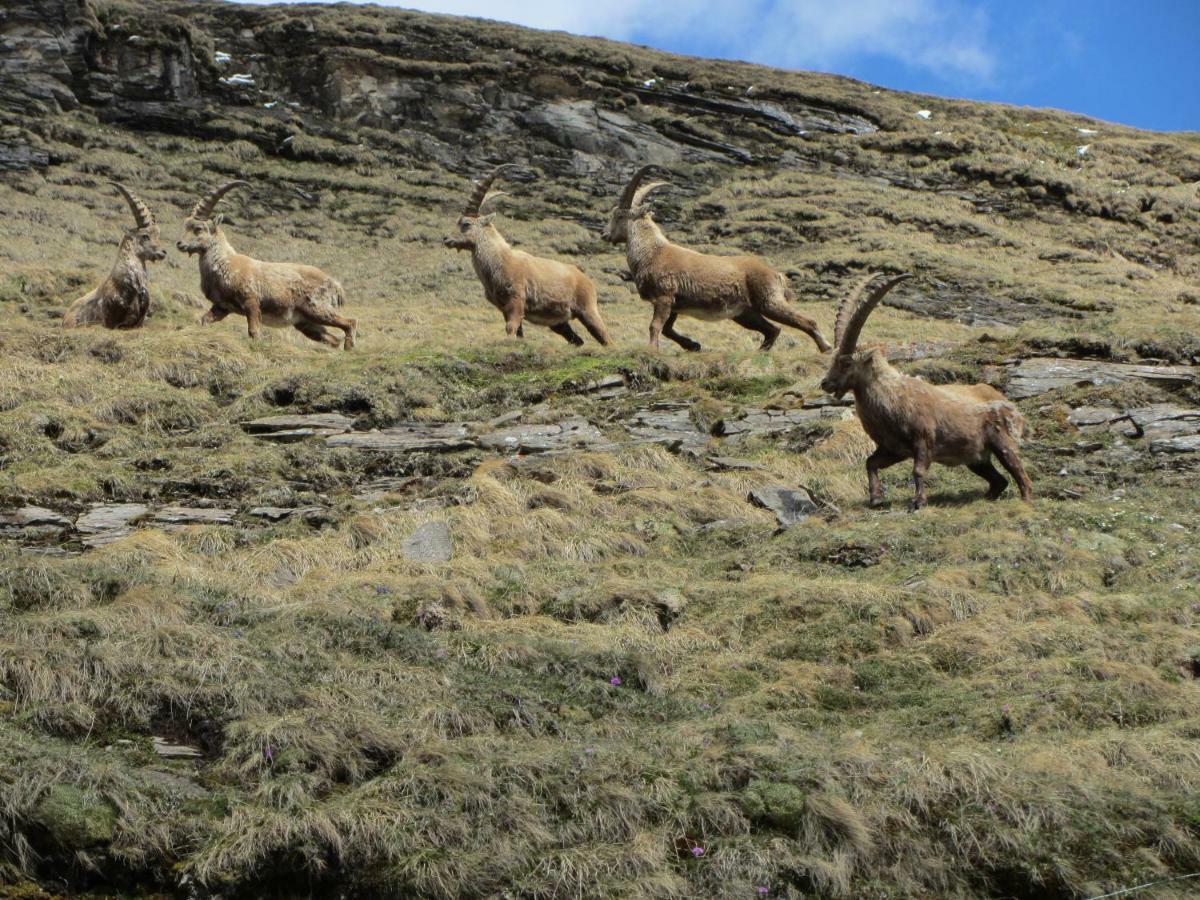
x=755 y=321
x=1005 y=449
x=565 y=330
x=779 y=311
x=590 y=319
x=323 y=315
x=997 y=483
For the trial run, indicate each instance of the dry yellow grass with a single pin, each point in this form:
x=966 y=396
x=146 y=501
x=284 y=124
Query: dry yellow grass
x=624 y=682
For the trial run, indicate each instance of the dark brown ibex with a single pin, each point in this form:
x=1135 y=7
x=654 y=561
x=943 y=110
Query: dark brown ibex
x=907 y=418
x=681 y=281
x=524 y=287
x=123 y=299
x=266 y=293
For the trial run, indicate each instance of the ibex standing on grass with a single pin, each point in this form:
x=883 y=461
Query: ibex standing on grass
x=266 y=293
x=681 y=281
x=521 y=286
x=907 y=418
x=123 y=299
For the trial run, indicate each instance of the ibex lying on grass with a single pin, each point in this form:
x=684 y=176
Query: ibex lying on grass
x=123 y=299
x=274 y=294
x=677 y=280
x=907 y=418
x=521 y=286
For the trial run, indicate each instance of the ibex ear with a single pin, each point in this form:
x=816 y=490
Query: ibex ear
x=486 y=220
x=218 y=219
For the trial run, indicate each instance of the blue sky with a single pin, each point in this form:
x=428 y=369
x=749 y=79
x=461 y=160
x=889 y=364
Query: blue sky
x=1133 y=63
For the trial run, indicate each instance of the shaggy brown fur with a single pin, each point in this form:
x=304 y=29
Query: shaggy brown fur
x=123 y=299
x=521 y=286
x=955 y=425
x=266 y=293
x=681 y=281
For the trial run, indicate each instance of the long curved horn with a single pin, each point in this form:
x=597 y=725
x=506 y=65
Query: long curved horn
x=475 y=201
x=487 y=201
x=644 y=191
x=206 y=204
x=853 y=315
x=141 y=212
x=630 y=189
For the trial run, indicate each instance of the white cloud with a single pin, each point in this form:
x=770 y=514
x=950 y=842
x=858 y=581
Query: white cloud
x=946 y=37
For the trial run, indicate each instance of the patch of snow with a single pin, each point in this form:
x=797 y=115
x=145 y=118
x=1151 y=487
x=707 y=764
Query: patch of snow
x=649 y=82
x=1087 y=131
x=1083 y=151
x=242 y=79
x=924 y=114
x=221 y=58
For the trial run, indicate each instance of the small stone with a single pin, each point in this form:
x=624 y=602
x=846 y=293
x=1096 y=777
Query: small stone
x=431 y=543
x=790 y=505
x=174 y=751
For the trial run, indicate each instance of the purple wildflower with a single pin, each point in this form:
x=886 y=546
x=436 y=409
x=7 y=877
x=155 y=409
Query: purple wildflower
x=589 y=750
x=763 y=889
x=270 y=753
x=697 y=851
x=615 y=681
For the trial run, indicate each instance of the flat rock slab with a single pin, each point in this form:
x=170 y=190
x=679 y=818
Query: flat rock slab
x=790 y=505
x=1159 y=420
x=279 y=513
x=109 y=516
x=33 y=517
x=296 y=428
x=1032 y=377
x=430 y=543
x=766 y=422
x=1188 y=443
x=194 y=515
x=605 y=388
x=573 y=433
x=667 y=424
x=431 y=437
x=732 y=464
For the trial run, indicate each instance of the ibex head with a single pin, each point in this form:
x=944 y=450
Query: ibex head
x=631 y=206
x=851 y=366
x=473 y=220
x=143 y=237
x=200 y=228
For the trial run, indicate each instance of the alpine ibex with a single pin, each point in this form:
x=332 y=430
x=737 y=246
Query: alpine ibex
x=123 y=298
x=907 y=418
x=521 y=286
x=681 y=281
x=266 y=293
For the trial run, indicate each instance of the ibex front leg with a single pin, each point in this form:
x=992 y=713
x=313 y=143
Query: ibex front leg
x=880 y=459
x=216 y=314
x=514 y=316
x=662 y=312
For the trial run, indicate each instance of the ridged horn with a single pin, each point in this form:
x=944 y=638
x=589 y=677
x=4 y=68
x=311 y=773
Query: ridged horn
x=480 y=193
x=854 y=310
x=644 y=191
x=631 y=188
x=206 y=204
x=141 y=212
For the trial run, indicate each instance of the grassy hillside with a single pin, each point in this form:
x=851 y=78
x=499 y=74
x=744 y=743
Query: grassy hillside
x=626 y=682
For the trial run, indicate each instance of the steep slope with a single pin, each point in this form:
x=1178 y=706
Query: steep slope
x=503 y=621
